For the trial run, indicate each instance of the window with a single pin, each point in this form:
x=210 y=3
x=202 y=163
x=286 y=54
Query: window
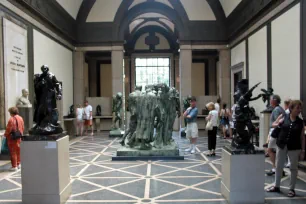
x=152 y=71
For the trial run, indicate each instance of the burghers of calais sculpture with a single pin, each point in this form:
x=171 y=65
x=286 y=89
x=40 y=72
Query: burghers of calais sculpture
x=157 y=108
x=47 y=90
x=266 y=98
x=243 y=96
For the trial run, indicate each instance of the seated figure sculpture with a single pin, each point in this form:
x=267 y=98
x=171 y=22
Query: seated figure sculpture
x=243 y=96
x=98 y=110
x=23 y=100
x=47 y=90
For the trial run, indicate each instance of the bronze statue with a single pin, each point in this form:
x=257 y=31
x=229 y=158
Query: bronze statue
x=98 y=110
x=266 y=97
x=243 y=96
x=156 y=108
x=47 y=90
x=71 y=113
x=116 y=110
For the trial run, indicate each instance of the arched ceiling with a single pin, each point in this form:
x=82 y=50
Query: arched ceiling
x=105 y=10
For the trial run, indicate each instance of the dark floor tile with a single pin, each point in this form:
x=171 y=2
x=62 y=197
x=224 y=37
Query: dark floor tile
x=136 y=188
x=106 y=182
x=6 y=185
x=204 y=168
x=78 y=186
x=12 y=195
x=191 y=194
x=76 y=169
x=214 y=186
x=141 y=170
x=155 y=169
x=158 y=188
x=187 y=181
x=94 y=169
x=102 y=195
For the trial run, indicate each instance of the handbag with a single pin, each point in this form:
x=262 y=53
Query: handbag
x=15 y=135
x=209 y=125
x=275 y=132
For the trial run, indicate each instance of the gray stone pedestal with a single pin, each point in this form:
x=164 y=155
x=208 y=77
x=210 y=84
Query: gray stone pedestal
x=243 y=177
x=116 y=133
x=26 y=112
x=264 y=127
x=45 y=171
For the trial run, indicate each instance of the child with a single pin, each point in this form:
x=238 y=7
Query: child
x=192 y=128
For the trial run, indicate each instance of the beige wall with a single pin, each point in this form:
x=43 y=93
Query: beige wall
x=140 y=43
x=106 y=80
x=198 y=10
x=238 y=54
x=229 y=6
x=59 y=60
x=286 y=53
x=258 y=65
x=198 y=79
x=163 y=43
x=86 y=85
x=72 y=7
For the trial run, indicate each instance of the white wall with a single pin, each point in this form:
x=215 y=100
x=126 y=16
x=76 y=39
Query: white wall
x=103 y=11
x=229 y=6
x=286 y=54
x=71 y=6
x=140 y=43
x=198 y=10
x=238 y=54
x=59 y=60
x=258 y=65
x=163 y=42
x=198 y=79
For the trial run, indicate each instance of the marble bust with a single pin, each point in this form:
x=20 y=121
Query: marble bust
x=23 y=101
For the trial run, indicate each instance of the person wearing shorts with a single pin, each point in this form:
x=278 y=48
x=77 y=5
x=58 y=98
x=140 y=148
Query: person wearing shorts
x=88 y=117
x=192 y=132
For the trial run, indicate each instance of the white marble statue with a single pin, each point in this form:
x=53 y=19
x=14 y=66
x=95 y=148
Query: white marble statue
x=23 y=100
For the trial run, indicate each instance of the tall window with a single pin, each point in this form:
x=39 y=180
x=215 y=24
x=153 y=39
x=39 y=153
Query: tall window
x=152 y=71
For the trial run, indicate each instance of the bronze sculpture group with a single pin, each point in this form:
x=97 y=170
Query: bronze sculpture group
x=157 y=108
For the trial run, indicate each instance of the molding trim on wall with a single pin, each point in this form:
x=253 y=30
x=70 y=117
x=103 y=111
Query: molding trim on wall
x=31 y=63
x=269 y=56
x=51 y=11
x=269 y=17
x=302 y=53
x=12 y=10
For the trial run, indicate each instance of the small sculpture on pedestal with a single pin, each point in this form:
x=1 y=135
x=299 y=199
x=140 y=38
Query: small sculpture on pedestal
x=266 y=97
x=98 y=111
x=243 y=96
x=117 y=120
x=23 y=101
x=47 y=90
x=71 y=113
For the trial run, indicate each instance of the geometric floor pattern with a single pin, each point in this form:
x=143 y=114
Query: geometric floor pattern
x=97 y=179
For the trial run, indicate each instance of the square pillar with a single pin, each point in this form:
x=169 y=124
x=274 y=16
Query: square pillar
x=117 y=69
x=78 y=78
x=225 y=76
x=92 y=72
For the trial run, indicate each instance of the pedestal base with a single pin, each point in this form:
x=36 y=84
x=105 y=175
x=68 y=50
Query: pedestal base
x=167 y=152
x=116 y=133
x=27 y=114
x=45 y=171
x=243 y=177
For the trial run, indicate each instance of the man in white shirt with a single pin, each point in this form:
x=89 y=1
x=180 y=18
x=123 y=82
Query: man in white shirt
x=88 y=117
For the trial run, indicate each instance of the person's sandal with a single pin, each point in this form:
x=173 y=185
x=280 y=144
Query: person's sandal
x=291 y=193
x=273 y=189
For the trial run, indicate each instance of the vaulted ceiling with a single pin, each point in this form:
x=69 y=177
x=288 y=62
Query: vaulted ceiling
x=87 y=22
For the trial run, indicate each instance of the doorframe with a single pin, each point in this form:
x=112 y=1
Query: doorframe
x=235 y=69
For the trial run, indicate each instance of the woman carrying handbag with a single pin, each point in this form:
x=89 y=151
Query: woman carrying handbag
x=290 y=140
x=211 y=127
x=14 y=131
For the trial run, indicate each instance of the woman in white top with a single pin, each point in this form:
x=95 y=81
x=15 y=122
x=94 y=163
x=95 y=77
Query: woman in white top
x=225 y=115
x=79 y=115
x=212 y=134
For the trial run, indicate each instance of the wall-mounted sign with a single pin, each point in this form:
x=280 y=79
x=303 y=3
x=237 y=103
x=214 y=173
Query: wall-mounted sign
x=15 y=62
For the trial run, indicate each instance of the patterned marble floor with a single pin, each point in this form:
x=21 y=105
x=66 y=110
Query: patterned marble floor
x=96 y=179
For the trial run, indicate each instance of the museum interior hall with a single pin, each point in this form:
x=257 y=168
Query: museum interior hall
x=152 y=101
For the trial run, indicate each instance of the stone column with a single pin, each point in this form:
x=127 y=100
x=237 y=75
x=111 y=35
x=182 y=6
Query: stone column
x=78 y=78
x=225 y=76
x=117 y=69
x=185 y=73
x=2 y=94
x=212 y=76
x=92 y=72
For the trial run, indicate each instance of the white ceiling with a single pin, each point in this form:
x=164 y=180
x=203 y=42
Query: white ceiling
x=198 y=10
x=71 y=6
x=229 y=6
x=103 y=11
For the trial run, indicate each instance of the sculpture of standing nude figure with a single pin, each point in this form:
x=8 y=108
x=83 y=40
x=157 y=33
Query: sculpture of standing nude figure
x=47 y=90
